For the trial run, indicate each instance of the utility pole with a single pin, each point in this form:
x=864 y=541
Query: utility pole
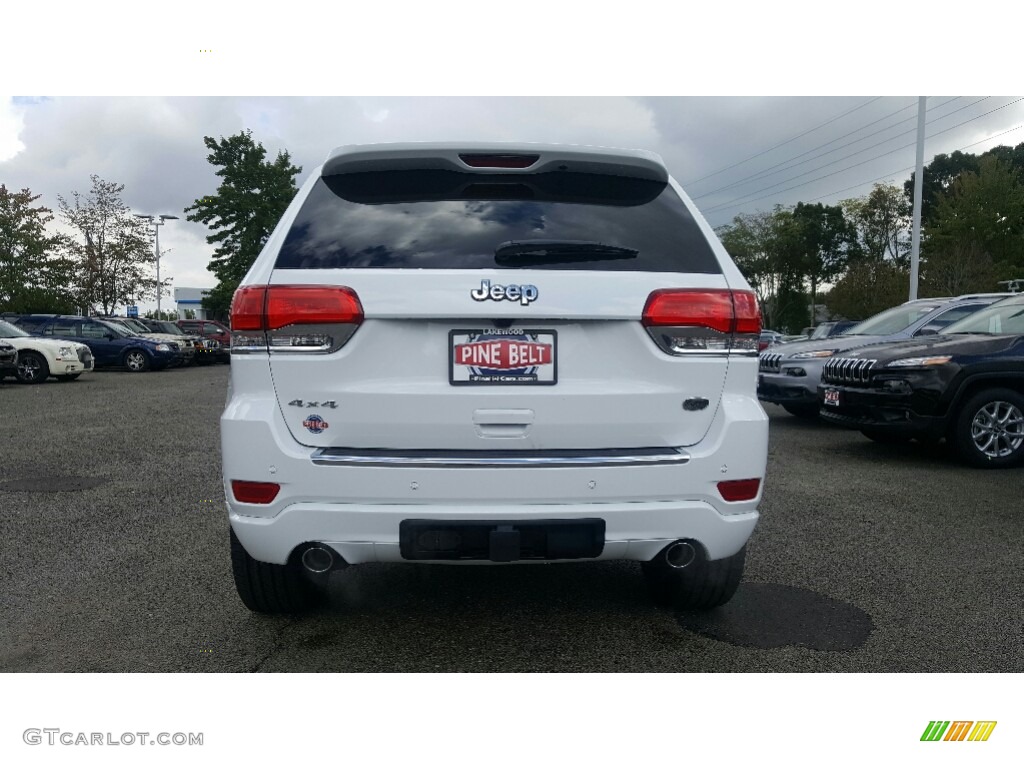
x=915 y=235
x=157 y=221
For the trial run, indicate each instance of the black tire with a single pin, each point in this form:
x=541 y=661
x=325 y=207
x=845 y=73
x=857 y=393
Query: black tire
x=882 y=436
x=32 y=368
x=271 y=588
x=136 y=361
x=808 y=412
x=996 y=413
x=68 y=377
x=702 y=585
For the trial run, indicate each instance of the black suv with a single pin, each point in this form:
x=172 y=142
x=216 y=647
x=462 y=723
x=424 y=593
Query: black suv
x=965 y=383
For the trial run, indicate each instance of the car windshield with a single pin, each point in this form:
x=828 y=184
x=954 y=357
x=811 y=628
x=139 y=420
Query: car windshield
x=1003 y=318
x=891 y=321
x=8 y=331
x=821 y=332
x=166 y=327
x=121 y=331
x=133 y=325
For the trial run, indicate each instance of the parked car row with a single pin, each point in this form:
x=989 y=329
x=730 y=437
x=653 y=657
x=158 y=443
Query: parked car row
x=929 y=369
x=64 y=346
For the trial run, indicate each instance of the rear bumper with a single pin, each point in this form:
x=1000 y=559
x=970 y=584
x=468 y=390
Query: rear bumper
x=358 y=510
x=363 y=533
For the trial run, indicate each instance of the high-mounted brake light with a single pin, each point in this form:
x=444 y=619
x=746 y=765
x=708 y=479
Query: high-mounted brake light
x=499 y=161
x=703 y=320
x=293 y=318
x=251 y=492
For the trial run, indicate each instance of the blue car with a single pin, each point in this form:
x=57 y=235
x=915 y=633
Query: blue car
x=111 y=346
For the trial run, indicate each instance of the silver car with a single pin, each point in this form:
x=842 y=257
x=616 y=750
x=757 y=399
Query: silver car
x=789 y=375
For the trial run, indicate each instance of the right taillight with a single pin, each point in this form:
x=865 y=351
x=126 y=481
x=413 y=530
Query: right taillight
x=293 y=318
x=740 y=490
x=703 y=321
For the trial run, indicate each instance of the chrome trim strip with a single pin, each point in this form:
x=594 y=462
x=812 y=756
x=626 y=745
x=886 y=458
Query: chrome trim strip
x=443 y=459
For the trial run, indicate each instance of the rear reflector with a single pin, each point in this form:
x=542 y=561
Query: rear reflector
x=739 y=490
x=499 y=161
x=250 y=492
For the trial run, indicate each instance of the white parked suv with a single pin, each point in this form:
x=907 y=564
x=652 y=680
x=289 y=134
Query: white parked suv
x=39 y=358
x=492 y=354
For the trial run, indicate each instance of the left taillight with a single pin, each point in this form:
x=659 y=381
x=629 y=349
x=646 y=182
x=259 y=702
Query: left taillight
x=251 y=492
x=293 y=318
x=703 y=321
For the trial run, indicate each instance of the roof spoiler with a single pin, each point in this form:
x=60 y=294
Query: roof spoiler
x=495 y=158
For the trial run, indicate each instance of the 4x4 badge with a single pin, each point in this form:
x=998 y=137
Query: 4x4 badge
x=313 y=404
x=524 y=294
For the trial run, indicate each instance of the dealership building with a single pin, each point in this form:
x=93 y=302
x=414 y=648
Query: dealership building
x=191 y=298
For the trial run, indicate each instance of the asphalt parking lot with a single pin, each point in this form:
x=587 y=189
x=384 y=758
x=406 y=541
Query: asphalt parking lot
x=114 y=557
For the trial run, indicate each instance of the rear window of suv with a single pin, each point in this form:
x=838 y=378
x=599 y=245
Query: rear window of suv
x=450 y=220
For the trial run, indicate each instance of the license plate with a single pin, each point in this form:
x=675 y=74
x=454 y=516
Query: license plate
x=832 y=397
x=502 y=356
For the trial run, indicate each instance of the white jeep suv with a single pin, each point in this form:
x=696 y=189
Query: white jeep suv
x=499 y=354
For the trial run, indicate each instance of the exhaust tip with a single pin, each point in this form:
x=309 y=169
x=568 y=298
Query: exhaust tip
x=318 y=559
x=680 y=554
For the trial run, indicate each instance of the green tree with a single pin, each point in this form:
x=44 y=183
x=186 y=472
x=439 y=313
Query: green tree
x=110 y=251
x=252 y=195
x=822 y=239
x=977 y=231
x=937 y=177
x=881 y=221
x=758 y=243
x=867 y=288
x=943 y=170
x=34 y=272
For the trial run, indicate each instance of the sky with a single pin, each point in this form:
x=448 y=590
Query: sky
x=733 y=154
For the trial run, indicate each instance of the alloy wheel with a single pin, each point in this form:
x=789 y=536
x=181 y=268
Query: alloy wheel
x=28 y=368
x=135 y=361
x=998 y=429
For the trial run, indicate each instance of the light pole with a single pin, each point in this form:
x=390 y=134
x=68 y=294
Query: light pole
x=157 y=221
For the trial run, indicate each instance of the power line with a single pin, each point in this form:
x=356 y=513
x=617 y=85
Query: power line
x=765 y=173
x=787 y=141
x=911 y=167
x=742 y=201
x=865 y=149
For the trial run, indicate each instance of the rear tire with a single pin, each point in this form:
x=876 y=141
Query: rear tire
x=700 y=586
x=996 y=414
x=32 y=368
x=889 y=438
x=268 y=587
x=808 y=412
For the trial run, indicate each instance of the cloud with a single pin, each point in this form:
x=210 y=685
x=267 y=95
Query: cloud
x=154 y=145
